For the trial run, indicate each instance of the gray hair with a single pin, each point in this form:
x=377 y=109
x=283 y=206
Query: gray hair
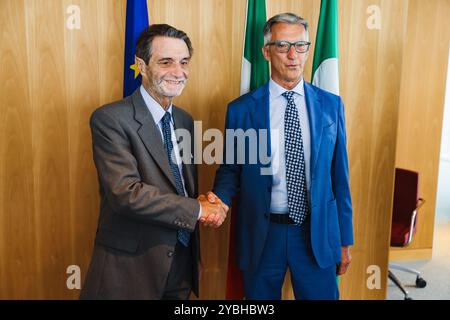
x=287 y=17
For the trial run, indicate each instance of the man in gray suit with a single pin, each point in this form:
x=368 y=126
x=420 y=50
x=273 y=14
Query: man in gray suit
x=147 y=243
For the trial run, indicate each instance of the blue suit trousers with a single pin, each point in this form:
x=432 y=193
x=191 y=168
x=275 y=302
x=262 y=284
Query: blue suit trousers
x=289 y=246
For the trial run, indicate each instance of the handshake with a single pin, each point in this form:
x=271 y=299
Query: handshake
x=214 y=211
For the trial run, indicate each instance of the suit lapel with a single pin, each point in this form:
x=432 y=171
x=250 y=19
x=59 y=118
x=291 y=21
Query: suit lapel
x=188 y=173
x=315 y=115
x=151 y=136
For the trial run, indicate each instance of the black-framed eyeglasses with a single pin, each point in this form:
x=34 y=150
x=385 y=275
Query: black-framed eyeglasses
x=285 y=46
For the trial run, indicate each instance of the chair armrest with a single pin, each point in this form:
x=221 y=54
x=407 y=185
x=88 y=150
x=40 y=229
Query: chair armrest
x=420 y=203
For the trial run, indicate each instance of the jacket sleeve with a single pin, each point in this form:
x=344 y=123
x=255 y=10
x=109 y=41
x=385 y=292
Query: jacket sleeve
x=227 y=180
x=121 y=183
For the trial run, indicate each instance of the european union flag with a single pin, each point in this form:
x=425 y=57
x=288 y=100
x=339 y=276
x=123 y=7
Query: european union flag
x=136 y=22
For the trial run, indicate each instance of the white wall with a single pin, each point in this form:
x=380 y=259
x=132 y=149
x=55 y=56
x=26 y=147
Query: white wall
x=445 y=141
x=443 y=189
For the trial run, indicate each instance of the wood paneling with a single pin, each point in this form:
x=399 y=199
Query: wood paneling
x=421 y=107
x=19 y=269
x=50 y=142
x=52 y=79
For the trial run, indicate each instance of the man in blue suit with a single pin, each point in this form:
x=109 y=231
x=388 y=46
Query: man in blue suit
x=295 y=210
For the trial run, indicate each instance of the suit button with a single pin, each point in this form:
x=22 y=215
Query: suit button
x=170 y=254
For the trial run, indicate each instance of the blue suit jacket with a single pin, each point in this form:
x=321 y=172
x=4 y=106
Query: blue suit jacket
x=331 y=208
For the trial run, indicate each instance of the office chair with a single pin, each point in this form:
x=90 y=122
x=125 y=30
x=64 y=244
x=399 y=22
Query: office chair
x=404 y=218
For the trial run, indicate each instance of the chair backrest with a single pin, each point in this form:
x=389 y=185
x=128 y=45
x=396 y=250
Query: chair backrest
x=406 y=197
x=406 y=194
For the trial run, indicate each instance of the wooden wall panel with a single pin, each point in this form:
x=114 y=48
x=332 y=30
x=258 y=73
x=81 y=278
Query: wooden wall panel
x=19 y=276
x=83 y=93
x=111 y=43
x=421 y=110
x=52 y=79
x=50 y=148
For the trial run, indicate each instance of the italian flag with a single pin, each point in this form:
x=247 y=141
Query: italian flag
x=255 y=69
x=325 y=74
x=254 y=73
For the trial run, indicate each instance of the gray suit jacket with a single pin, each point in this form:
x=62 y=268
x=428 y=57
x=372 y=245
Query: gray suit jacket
x=140 y=211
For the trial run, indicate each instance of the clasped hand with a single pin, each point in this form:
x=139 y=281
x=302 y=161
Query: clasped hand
x=214 y=211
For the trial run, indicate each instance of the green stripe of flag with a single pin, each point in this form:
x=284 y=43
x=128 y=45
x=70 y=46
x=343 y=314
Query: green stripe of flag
x=326 y=51
x=253 y=42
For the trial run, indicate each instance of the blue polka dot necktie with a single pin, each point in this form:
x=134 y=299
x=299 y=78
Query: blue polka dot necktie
x=295 y=162
x=183 y=235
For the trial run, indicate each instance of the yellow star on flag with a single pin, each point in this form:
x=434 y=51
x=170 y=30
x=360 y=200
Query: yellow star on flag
x=136 y=70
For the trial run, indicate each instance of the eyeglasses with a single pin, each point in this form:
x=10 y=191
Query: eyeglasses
x=285 y=46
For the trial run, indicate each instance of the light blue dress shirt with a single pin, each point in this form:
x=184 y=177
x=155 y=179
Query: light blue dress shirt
x=277 y=108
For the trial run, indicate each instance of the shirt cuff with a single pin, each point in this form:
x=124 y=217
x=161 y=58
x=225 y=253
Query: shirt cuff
x=199 y=213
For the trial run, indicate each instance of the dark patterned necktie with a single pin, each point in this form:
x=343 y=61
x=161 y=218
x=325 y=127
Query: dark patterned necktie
x=183 y=235
x=295 y=162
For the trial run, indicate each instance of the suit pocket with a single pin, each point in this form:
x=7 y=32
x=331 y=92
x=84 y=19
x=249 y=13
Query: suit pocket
x=117 y=241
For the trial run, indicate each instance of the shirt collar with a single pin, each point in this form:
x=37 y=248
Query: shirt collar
x=276 y=90
x=154 y=107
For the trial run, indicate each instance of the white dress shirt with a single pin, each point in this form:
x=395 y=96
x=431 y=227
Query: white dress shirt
x=277 y=108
